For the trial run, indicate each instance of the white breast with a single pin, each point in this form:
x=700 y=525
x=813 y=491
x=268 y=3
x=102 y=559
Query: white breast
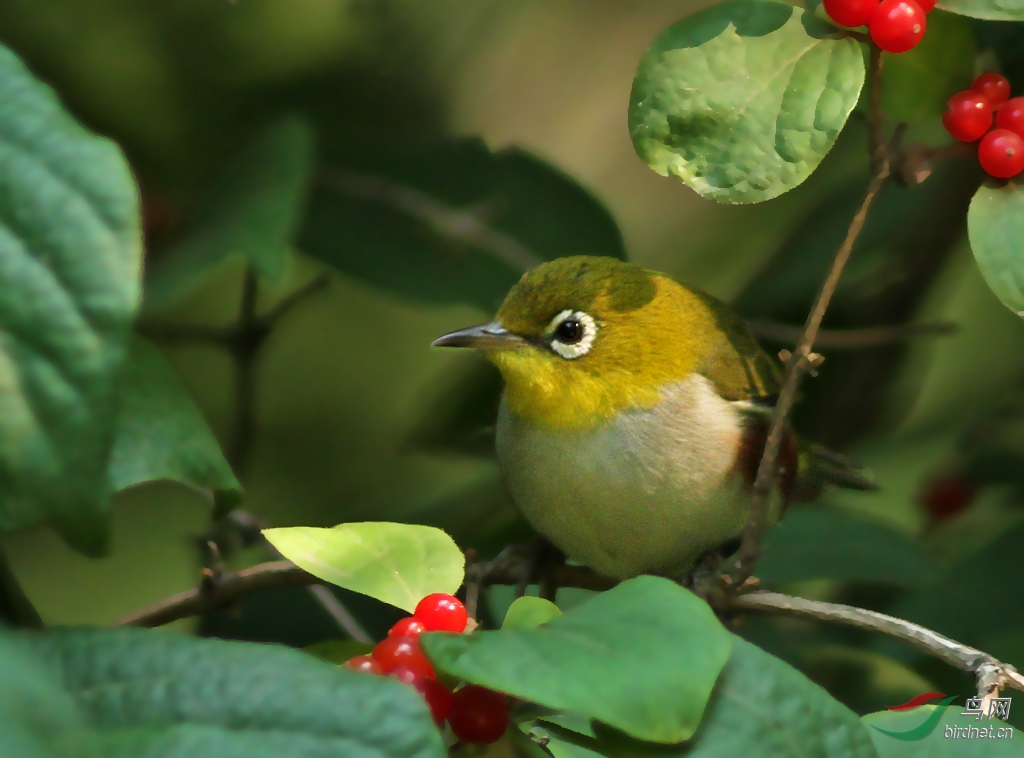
x=649 y=491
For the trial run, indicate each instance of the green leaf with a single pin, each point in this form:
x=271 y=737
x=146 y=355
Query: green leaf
x=642 y=657
x=529 y=612
x=161 y=434
x=155 y=693
x=995 y=225
x=940 y=742
x=70 y=250
x=451 y=222
x=761 y=707
x=396 y=563
x=337 y=651
x=830 y=543
x=252 y=209
x=34 y=710
x=917 y=84
x=743 y=100
x=994 y=10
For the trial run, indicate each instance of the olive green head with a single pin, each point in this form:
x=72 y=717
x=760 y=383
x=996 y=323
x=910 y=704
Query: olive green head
x=581 y=338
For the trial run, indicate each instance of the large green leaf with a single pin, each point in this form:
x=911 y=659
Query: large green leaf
x=397 y=563
x=161 y=434
x=995 y=224
x=941 y=742
x=34 y=710
x=917 y=84
x=158 y=694
x=70 y=248
x=829 y=543
x=451 y=222
x=761 y=707
x=642 y=657
x=743 y=100
x=252 y=209
x=994 y=10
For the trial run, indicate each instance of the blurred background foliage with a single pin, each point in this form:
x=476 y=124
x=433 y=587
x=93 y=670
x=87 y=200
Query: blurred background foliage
x=486 y=109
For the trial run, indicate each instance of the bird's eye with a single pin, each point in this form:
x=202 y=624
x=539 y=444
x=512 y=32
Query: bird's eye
x=569 y=332
x=572 y=333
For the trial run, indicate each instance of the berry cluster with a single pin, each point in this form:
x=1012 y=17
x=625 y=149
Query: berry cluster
x=969 y=116
x=476 y=714
x=895 y=25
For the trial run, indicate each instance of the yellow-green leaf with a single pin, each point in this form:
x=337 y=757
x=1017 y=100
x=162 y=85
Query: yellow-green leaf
x=398 y=564
x=528 y=612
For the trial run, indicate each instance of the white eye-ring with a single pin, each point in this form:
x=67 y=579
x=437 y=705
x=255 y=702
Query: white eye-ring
x=572 y=333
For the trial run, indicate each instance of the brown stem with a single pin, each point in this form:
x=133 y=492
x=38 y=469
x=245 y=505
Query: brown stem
x=990 y=672
x=849 y=339
x=798 y=363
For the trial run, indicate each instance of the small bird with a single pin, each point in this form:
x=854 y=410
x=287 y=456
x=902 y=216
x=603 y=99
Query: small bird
x=634 y=416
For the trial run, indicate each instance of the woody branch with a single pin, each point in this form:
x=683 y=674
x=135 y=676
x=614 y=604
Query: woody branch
x=802 y=358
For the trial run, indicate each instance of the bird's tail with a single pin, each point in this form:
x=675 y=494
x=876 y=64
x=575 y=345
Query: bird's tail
x=818 y=466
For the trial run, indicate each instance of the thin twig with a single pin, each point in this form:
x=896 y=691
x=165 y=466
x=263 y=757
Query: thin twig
x=447 y=221
x=802 y=359
x=849 y=339
x=798 y=363
x=341 y=615
x=230 y=587
x=989 y=672
x=284 y=306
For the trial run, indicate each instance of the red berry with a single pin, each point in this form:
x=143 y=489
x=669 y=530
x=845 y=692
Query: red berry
x=478 y=715
x=437 y=697
x=968 y=116
x=993 y=87
x=948 y=495
x=1001 y=153
x=1011 y=116
x=442 y=613
x=364 y=663
x=897 y=25
x=395 y=652
x=927 y=5
x=850 y=12
x=407 y=627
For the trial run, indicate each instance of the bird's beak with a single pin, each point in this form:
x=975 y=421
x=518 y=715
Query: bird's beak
x=492 y=335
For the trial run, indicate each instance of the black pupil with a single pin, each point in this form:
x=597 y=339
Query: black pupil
x=569 y=332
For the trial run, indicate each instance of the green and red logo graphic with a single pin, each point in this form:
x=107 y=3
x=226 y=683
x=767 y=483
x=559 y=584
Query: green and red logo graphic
x=927 y=726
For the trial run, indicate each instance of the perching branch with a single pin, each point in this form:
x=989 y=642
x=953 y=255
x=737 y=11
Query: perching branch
x=507 y=569
x=229 y=588
x=799 y=362
x=802 y=359
x=850 y=339
x=990 y=673
x=448 y=221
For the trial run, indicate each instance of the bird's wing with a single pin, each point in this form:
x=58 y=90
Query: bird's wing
x=735 y=362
